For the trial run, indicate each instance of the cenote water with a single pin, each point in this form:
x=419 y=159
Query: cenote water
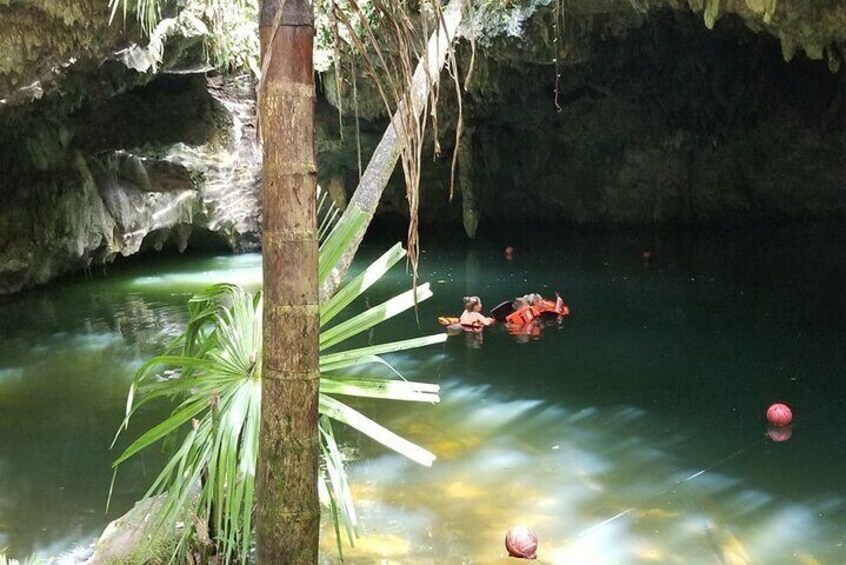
x=632 y=432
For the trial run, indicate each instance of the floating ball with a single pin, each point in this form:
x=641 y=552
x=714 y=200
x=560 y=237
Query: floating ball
x=521 y=542
x=779 y=414
x=509 y=252
x=779 y=433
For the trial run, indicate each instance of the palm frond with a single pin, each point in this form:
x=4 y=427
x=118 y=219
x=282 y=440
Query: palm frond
x=328 y=214
x=213 y=371
x=147 y=12
x=373 y=316
x=335 y=491
x=370 y=354
x=366 y=387
x=359 y=284
x=341 y=412
x=336 y=243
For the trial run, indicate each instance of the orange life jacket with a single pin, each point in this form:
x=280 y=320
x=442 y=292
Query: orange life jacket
x=526 y=314
x=557 y=307
x=522 y=316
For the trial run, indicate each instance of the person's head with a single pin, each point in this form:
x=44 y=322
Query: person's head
x=472 y=303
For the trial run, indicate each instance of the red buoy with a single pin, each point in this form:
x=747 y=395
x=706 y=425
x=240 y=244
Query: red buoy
x=522 y=542
x=509 y=253
x=779 y=414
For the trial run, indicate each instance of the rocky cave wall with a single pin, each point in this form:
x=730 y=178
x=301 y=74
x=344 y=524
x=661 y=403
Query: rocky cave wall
x=671 y=111
x=147 y=167
x=111 y=141
x=671 y=123
x=662 y=121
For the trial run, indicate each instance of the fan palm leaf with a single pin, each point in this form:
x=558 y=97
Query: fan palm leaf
x=213 y=373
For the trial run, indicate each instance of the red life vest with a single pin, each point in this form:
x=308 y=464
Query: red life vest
x=522 y=316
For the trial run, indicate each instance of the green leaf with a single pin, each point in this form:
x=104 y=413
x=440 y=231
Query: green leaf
x=327 y=214
x=343 y=359
x=338 y=241
x=359 y=284
x=336 y=489
x=380 y=388
x=339 y=411
x=161 y=430
x=375 y=315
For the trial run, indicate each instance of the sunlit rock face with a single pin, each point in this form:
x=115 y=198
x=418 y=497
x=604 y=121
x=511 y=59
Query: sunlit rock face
x=146 y=168
x=113 y=141
x=665 y=113
x=39 y=39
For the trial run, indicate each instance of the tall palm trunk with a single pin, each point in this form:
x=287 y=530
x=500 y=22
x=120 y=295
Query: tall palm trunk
x=288 y=517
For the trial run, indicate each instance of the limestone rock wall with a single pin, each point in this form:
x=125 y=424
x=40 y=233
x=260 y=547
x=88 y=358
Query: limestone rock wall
x=671 y=123
x=109 y=144
x=38 y=39
x=658 y=120
x=667 y=111
x=83 y=201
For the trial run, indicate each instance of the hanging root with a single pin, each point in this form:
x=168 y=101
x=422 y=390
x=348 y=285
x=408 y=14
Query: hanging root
x=390 y=62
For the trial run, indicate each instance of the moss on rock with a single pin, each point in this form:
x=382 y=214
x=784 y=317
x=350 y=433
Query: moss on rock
x=37 y=38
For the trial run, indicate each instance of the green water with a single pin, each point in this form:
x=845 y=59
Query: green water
x=633 y=432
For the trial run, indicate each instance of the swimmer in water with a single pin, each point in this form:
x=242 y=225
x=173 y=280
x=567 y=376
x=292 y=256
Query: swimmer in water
x=472 y=315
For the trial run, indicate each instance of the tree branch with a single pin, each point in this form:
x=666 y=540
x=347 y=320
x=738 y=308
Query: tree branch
x=381 y=166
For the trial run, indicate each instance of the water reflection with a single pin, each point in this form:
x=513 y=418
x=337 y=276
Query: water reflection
x=243 y=270
x=58 y=412
x=590 y=481
x=596 y=435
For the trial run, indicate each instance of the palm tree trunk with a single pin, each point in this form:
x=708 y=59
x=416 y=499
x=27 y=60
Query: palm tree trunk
x=288 y=516
x=381 y=166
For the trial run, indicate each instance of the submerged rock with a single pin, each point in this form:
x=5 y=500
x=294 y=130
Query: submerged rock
x=127 y=539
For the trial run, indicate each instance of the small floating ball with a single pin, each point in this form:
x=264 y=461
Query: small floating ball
x=779 y=433
x=522 y=542
x=779 y=414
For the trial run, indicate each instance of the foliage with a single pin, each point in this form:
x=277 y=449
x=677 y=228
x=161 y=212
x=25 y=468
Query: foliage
x=213 y=371
x=147 y=12
x=234 y=39
x=230 y=27
x=30 y=561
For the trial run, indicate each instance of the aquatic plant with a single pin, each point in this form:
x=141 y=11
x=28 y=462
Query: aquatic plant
x=213 y=371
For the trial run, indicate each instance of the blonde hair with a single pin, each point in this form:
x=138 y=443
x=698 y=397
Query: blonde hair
x=532 y=298
x=471 y=301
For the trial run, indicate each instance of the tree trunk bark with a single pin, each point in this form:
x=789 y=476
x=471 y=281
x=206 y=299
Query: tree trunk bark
x=381 y=166
x=288 y=514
